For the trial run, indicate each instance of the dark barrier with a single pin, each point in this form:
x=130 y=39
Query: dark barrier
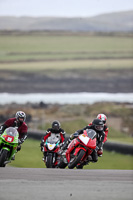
x=118 y=147
x=109 y=146
x=36 y=134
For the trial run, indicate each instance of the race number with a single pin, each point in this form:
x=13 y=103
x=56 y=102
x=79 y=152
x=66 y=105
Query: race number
x=84 y=139
x=9 y=139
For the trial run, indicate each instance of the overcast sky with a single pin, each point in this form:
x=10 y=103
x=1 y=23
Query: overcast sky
x=62 y=8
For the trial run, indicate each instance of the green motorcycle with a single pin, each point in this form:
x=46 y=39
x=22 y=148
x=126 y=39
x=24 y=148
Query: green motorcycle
x=8 y=145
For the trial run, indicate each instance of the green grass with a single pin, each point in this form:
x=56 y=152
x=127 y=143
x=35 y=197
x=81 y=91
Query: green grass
x=118 y=136
x=64 y=43
x=112 y=160
x=69 y=64
x=30 y=156
x=44 y=56
x=41 y=51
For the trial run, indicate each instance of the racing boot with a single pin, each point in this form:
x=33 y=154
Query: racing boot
x=13 y=157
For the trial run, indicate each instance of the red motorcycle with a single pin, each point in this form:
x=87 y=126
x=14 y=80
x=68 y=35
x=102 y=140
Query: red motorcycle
x=51 y=152
x=80 y=149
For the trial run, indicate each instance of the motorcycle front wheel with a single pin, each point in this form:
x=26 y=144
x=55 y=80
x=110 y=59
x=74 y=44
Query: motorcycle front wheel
x=49 y=161
x=3 y=157
x=74 y=161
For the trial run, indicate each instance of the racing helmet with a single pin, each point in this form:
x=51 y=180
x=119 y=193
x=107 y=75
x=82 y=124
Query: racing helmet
x=98 y=124
x=20 y=114
x=55 y=125
x=102 y=117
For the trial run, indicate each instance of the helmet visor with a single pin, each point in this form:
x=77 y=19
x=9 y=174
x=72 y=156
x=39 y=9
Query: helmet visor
x=104 y=121
x=99 y=127
x=21 y=119
x=55 y=127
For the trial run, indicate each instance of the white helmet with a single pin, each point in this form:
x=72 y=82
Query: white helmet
x=20 y=114
x=102 y=117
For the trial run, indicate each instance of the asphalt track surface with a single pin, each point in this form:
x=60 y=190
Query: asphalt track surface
x=65 y=184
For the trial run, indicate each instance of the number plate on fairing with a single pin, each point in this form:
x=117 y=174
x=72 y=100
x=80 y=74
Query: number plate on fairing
x=84 y=139
x=9 y=139
x=51 y=146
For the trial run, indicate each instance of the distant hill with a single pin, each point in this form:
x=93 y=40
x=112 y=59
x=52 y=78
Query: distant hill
x=113 y=22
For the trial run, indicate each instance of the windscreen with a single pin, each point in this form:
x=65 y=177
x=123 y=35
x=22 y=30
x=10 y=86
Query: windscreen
x=53 y=140
x=91 y=133
x=11 y=131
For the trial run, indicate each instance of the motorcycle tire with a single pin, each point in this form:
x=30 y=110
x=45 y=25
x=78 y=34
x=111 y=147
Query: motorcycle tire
x=49 y=161
x=3 y=157
x=79 y=166
x=76 y=160
x=62 y=165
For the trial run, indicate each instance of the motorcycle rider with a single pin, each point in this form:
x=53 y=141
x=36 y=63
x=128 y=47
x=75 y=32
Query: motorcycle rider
x=54 y=131
x=98 y=126
x=17 y=122
x=106 y=129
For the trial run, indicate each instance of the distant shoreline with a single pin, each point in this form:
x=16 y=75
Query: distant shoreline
x=65 y=98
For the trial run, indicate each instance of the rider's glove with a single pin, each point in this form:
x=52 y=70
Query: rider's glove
x=18 y=147
x=19 y=141
x=22 y=140
x=74 y=135
x=1 y=130
x=41 y=144
x=97 y=148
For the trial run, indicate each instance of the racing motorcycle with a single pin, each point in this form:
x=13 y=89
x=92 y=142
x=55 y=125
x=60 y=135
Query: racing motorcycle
x=79 y=150
x=51 y=151
x=8 y=145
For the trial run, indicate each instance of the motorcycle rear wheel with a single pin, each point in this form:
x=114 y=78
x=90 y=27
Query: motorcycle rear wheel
x=3 y=157
x=76 y=160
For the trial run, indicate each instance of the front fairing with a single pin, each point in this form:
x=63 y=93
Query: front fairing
x=9 y=141
x=51 y=148
x=51 y=145
x=73 y=144
x=87 y=141
x=92 y=143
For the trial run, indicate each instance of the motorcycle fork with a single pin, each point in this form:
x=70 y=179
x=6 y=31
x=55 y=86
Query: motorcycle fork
x=54 y=156
x=9 y=152
x=89 y=156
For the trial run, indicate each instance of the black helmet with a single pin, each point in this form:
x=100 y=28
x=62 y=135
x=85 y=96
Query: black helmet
x=98 y=124
x=56 y=125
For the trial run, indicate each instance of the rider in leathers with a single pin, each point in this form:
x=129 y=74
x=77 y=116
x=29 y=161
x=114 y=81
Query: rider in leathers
x=106 y=129
x=17 y=122
x=54 y=131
